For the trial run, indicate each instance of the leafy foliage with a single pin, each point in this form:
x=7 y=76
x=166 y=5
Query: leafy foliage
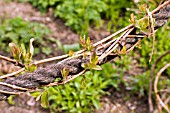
x=83 y=92
x=24 y=56
x=116 y=13
x=18 y=31
x=80 y=14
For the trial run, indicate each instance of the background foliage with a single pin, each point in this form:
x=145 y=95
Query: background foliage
x=80 y=14
x=84 y=92
x=18 y=31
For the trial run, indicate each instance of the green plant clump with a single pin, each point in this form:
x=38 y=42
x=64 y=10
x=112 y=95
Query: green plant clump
x=80 y=14
x=18 y=31
x=83 y=93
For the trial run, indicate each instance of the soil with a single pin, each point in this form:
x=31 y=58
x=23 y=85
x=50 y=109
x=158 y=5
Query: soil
x=118 y=102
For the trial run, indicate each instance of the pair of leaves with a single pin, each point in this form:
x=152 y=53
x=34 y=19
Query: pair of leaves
x=20 y=54
x=43 y=96
x=65 y=73
x=86 y=43
x=92 y=64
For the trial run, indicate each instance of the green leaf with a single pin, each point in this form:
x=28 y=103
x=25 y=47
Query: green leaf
x=71 y=52
x=143 y=23
x=96 y=103
x=35 y=94
x=10 y=99
x=44 y=99
x=23 y=50
x=57 y=79
x=65 y=72
x=83 y=42
x=31 y=68
x=89 y=44
x=123 y=51
x=94 y=59
x=97 y=67
x=27 y=59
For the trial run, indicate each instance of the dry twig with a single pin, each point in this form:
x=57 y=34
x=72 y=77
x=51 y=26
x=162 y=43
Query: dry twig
x=159 y=101
x=151 y=79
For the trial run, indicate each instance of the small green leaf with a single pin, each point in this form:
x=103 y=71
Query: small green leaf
x=95 y=59
x=10 y=99
x=44 y=99
x=143 y=7
x=96 y=103
x=65 y=72
x=83 y=42
x=143 y=23
x=85 y=66
x=57 y=79
x=31 y=68
x=123 y=51
x=23 y=50
x=97 y=67
x=88 y=41
x=35 y=94
x=89 y=44
x=27 y=59
x=71 y=52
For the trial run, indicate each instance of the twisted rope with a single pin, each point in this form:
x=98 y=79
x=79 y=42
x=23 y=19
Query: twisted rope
x=104 y=49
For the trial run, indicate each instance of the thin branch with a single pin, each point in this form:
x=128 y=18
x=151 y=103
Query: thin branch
x=160 y=7
x=12 y=61
x=11 y=93
x=14 y=86
x=167 y=100
x=151 y=79
x=159 y=101
x=51 y=59
x=112 y=46
x=137 y=36
x=67 y=80
x=164 y=91
x=12 y=74
x=78 y=52
x=115 y=34
x=151 y=23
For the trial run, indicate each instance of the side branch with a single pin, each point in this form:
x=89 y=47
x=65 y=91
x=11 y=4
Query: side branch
x=12 y=61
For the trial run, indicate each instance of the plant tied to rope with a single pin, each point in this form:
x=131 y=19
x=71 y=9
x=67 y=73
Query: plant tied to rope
x=75 y=64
